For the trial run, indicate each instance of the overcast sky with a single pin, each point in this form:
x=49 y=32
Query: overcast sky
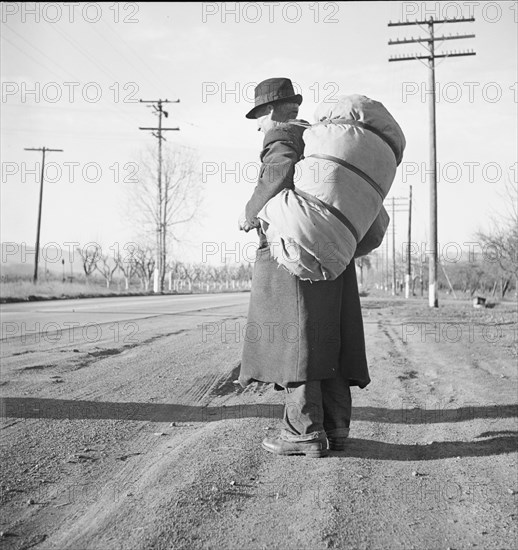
x=72 y=76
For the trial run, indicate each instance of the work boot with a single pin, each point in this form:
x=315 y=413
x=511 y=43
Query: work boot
x=313 y=445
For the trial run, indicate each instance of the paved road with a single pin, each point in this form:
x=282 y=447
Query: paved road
x=28 y=319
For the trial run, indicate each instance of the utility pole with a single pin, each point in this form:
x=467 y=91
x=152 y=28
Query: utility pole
x=431 y=56
x=37 y=254
x=400 y=208
x=161 y=193
x=386 y=262
x=408 y=278
x=393 y=248
x=379 y=265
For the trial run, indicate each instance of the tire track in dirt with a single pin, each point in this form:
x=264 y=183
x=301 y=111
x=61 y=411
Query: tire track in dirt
x=201 y=388
x=213 y=385
x=399 y=354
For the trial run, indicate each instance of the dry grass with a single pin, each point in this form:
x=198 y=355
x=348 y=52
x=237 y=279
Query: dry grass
x=47 y=290
x=24 y=290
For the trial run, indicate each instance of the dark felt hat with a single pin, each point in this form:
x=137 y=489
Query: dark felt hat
x=271 y=91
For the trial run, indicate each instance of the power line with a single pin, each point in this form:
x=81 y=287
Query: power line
x=81 y=51
x=39 y=63
x=119 y=112
x=431 y=56
x=110 y=31
x=135 y=53
x=115 y=48
x=38 y=50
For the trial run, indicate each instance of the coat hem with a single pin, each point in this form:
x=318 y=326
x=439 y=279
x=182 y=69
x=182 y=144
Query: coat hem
x=244 y=382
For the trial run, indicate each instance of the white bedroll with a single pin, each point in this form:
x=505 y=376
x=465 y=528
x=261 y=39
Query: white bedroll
x=336 y=210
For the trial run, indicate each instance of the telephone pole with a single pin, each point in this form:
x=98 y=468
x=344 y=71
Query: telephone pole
x=431 y=56
x=393 y=248
x=162 y=193
x=400 y=208
x=386 y=262
x=408 y=278
x=37 y=253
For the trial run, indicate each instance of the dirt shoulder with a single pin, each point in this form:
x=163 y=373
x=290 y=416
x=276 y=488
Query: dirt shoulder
x=154 y=447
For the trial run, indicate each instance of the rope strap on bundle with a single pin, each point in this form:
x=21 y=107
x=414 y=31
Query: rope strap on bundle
x=352 y=168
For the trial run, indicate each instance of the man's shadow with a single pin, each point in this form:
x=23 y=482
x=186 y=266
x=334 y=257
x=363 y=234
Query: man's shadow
x=491 y=443
x=504 y=442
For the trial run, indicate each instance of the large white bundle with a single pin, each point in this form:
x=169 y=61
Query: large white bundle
x=351 y=157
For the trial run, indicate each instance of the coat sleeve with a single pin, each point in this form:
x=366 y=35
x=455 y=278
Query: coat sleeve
x=282 y=150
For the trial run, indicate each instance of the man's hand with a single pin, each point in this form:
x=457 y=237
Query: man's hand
x=243 y=223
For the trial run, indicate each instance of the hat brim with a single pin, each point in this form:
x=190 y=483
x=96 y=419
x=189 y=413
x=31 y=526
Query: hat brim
x=292 y=99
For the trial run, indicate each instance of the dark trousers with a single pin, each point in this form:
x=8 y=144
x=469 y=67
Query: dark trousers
x=318 y=407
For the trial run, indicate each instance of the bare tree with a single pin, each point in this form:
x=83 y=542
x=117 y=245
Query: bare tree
x=500 y=243
x=192 y=273
x=144 y=265
x=127 y=265
x=90 y=256
x=178 y=272
x=106 y=268
x=180 y=196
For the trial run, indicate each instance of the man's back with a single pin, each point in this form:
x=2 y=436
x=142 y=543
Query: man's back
x=283 y=147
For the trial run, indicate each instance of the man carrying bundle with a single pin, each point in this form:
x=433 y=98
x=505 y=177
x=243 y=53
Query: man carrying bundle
x=312 y=341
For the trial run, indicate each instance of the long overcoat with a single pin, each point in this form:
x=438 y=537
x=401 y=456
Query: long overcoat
x=297 y=330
